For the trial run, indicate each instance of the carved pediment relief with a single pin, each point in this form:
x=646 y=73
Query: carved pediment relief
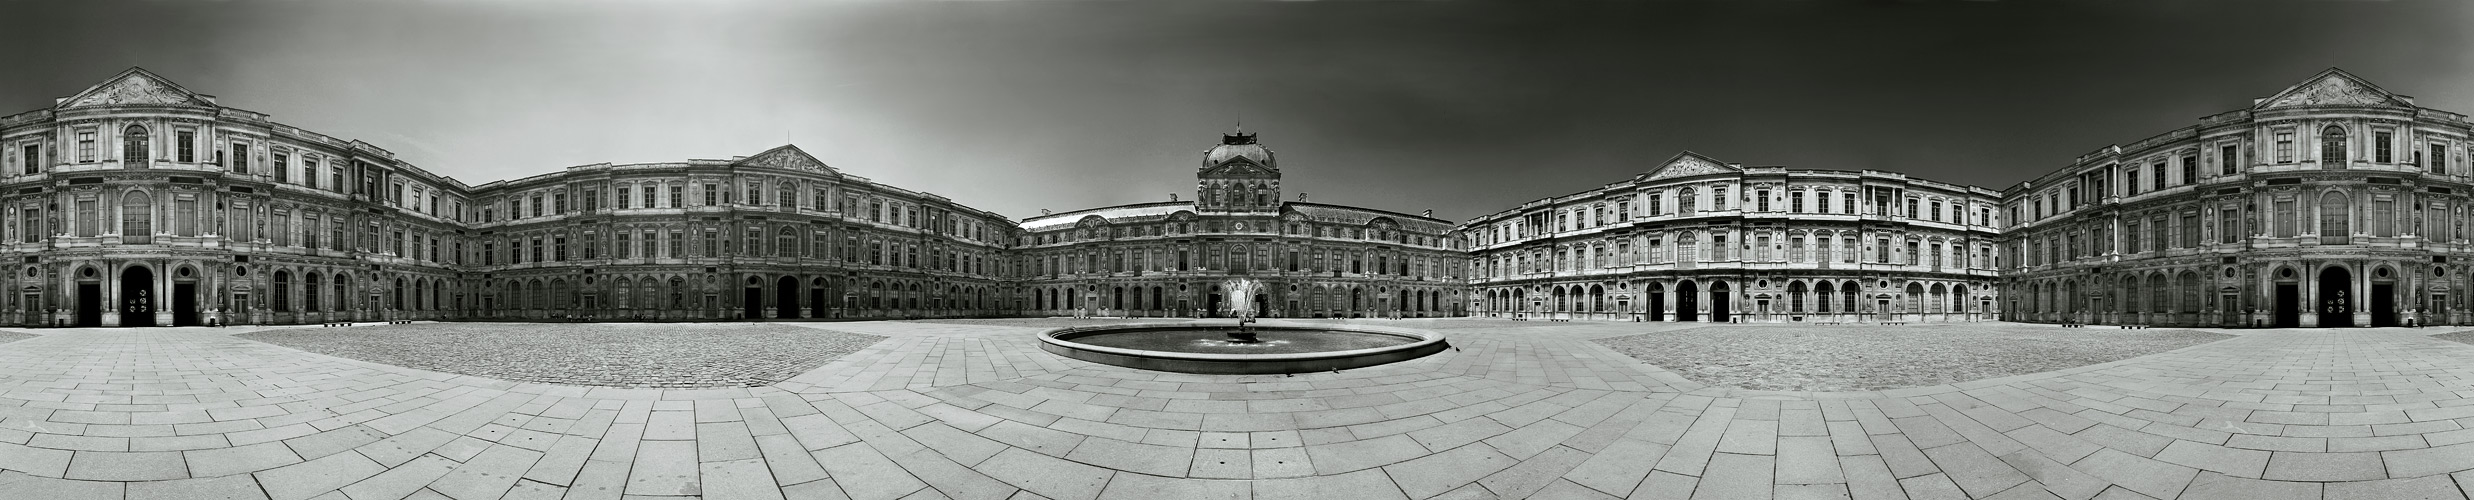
x=1689 y=164
x=2332 y=88
x=786 y=157
x=135 y=87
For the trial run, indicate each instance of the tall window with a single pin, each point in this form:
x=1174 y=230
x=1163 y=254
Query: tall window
x=2382 y=145
x=137 y=214
x=2285 y=146
x=2228 y=225
x=188 y=147
x=283 y=291
x=30 y=225
x=2190 y=229
x=2332 y=147
x=2438 y=164
x=678 y=196
x=2286 y=219
x=2228 y=159
x=2334 y=216
x=133 y=147
x=85 y=145
x=2383 y=217
x=2190 y=167
x=240 y=158
x=625 y=247
x=33 y=159
x=622 y=198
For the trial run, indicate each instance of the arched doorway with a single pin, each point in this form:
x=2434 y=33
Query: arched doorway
x=1657 y=302
x=2336 y=300
x=752 y=299
x=185 y=297
x=137 y=296
x=2383 y=299
x=1718 y=302
x=2289 y=304
x=1687 y=301
x=786 y=298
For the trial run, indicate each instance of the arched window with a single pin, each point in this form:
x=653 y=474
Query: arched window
x=134 y=146
x=137 y=215
x=2334 y=213
x=2332 y=147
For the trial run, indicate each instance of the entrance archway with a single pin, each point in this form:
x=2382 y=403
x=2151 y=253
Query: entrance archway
x=137 y=296
x=1687 y=301
x=2336 y=300
x=786 y=298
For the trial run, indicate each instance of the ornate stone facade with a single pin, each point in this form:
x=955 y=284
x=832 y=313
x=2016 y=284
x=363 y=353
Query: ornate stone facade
x=1695 y=239
x=1174 y=258
x=139 y=202
x=2331 y=203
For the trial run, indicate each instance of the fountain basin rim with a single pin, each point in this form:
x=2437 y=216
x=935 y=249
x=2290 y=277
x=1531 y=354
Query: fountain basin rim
x=1426 y=342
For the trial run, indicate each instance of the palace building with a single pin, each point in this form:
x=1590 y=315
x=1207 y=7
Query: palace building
x=139 y=202
x=1175 y=258
x=2331 y=203
x=1696 y=239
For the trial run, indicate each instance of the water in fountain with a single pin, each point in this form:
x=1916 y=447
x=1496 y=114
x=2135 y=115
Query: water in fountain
x=1241 y=305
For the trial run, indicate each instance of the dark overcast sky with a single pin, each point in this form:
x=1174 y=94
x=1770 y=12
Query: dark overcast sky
x=1462 y=107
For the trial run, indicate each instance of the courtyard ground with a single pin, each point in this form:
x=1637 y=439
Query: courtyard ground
x=974 y=410
x=1874 y=357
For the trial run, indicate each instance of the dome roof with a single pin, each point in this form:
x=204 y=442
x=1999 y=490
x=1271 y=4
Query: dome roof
x=1236 y=146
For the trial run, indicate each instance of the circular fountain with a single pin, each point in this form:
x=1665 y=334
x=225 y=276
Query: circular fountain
x=1243 y=346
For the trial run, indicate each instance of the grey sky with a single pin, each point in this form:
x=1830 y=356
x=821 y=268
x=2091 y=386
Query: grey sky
x=1461 y=107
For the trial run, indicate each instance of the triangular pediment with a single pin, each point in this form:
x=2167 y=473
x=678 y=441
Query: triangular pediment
x=2334 y=87
x=135 y=87
x=1688 y=164
x=786 y=157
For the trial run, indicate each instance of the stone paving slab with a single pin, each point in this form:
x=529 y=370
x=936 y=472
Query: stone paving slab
x=975 y=410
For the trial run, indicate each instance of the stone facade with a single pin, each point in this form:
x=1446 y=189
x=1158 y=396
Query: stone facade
x=2331 y=203
x=139 y=202
x=1176 y=258
x=1695 y=239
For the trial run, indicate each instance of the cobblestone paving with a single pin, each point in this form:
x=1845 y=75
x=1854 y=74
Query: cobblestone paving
x=1873 y=357
x=663 y=355
x=977 y=412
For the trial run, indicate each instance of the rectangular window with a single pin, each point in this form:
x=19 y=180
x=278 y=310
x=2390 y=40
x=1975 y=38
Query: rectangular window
x=1795 y=201
x=558 y=203
x=2228 y=226
x=240 y=158
x=2285 y=146
x=34 y=159
x=2190 y=229
x=622 y=198
x=1655 y=205
x=2438 y=163
x=2381 y=144
x=1718 y=199
x=592 y=245
x=2132 y=175
x=2157 y=183
x=187 y=150
x=2228 y=159
x=2190 y=168
x=85 y=146
x=2383 y=217
x=592 y=200
x=678 y=243
x=1881 y=251
x=678 y=196
x=712 y=242
x=712 y=194
x=1762 y=200
x=282 y=166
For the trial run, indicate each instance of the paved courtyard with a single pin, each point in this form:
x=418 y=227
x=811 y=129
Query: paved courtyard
x=975 y=410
